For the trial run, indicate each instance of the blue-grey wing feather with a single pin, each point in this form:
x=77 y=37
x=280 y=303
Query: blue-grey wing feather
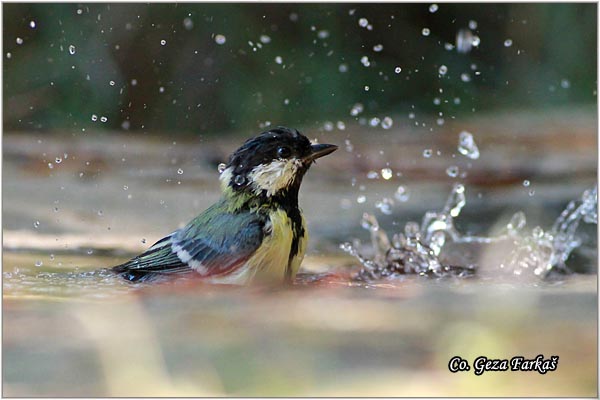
x=213 y=243
x=223 y=242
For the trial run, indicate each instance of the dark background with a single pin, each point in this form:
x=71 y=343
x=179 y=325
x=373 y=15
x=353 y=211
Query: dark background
x=210 y=88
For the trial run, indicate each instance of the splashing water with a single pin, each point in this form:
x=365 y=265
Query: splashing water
x=547 y=252
x=416 y=250
x=419 y=249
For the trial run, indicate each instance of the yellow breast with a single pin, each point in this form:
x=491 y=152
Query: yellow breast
x=271 y=261
x=272 y=258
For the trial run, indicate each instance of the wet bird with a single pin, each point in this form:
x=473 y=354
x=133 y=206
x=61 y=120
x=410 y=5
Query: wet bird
x=255 y=231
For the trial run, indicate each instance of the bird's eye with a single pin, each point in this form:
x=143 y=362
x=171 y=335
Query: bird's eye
x=284 y=152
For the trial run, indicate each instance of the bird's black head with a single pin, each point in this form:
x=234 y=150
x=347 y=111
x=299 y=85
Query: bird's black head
x=272 y=163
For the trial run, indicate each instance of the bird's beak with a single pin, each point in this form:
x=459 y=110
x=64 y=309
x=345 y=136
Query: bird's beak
x=320 y=150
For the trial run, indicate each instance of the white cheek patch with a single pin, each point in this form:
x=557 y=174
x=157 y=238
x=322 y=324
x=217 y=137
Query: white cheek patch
x=273 y=177
x=225 y=178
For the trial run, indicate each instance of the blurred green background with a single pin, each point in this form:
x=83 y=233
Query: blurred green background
x=158 y=67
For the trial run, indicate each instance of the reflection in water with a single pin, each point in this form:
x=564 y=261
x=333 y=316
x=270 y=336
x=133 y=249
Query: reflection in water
x=422 y=250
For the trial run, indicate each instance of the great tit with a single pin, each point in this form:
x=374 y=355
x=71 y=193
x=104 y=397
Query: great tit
x=255 y=231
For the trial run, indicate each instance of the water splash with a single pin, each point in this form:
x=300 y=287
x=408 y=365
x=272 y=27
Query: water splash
x=414 y=251
x=547 y=252
x=421 y=249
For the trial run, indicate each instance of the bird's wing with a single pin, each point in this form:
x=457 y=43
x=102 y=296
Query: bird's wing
x=218 y=243
x=213 y=243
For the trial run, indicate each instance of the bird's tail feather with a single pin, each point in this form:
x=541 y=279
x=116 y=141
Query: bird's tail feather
x=159 y=260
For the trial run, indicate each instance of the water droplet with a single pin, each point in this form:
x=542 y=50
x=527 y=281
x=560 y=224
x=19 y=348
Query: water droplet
x=411 y=229
x=364 y=60
x=161 y=89
x=363 y=22
x=452 y=171
x=323 y=34
x=19 y=41
x=143 y=240
x=90 y=251
x=279 y=60
x=387 y=123
x=328 y=126
x=265 y=39
x=508 y=43
x=472 y=24
x=565 y=84
x=442 y=70
x=125 y=187
x=340 y=125
x=467 y=146
x=425 y=32
x=343 y=68
x=72 y=49
x=188 y=23
x=221 y=167
x=111 y=83
x=433 y=8
x=372 y=175
x=100 y=213
x=180 y=171
x=39 y=263
x=50 y=165
x=36 y=224
x=163 y=42
x=374 y=121
x=465 y=77
x=437 y=241
x=397 y=70
x=385 y=205
x=51 y=256
x=239 y=180
x=220 y=39
x=32 y=24
x=377 y=48
x=427 y=153
x=402 y=194
x=103 y=119
x=349 y=148
x=516 y=223
x=361 y=199
x=526 y=183
x=356 y=109
x=456 y=201
x=94 y=117
x=531 y=192
x=386 y=173
x=58 y=160
x=465 y=41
